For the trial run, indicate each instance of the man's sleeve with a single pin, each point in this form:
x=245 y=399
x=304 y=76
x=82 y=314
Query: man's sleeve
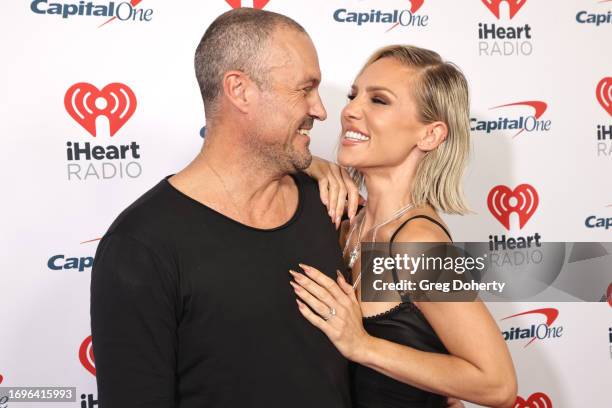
x=133 y=323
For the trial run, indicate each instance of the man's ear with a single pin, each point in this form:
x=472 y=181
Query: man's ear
x=237 y=87
x=435 y=134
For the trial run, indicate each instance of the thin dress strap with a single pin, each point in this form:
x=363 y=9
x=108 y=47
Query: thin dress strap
x=412 y=218
x=404 y=295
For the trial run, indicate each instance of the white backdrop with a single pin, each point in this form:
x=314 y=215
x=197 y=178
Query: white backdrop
x=556 y=76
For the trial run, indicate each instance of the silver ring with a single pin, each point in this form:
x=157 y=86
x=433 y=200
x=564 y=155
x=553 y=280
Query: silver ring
x=332 y=312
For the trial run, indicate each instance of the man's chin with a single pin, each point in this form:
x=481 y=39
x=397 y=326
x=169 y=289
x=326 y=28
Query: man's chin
x=302 y=162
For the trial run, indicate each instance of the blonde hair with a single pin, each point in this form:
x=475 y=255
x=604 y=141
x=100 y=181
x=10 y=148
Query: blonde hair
x=441 y=94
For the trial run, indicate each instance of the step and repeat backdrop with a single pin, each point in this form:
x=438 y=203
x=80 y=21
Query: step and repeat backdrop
x=100 y=101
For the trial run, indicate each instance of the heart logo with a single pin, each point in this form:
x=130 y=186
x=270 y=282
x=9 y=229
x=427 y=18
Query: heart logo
x=537 y=400
x=604 y=94
x=1 y=378
x=502 y=202
x=84 y=103
x=610 y=294
x=86 y=355
x=415 y=5
x=515 y=6
x=257 y=4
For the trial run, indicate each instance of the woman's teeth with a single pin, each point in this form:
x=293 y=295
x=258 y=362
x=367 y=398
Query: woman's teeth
x=305 y=132
x=355 y=136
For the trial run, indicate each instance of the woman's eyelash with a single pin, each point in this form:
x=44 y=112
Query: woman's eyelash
x=374 y=100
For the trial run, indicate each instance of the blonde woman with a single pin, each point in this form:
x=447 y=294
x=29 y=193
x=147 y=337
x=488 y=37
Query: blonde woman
x=405 y=134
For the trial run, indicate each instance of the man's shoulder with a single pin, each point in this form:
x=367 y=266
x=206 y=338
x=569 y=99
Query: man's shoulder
x=307 y=183
x=150 y=215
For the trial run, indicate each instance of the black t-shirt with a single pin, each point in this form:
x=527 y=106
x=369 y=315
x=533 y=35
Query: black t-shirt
x=191 y=309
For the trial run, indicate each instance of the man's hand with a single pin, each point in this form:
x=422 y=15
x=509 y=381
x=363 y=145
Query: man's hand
x=336 y=187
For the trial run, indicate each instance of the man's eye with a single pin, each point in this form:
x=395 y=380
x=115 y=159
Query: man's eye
x=307 y=89
x=350 y=97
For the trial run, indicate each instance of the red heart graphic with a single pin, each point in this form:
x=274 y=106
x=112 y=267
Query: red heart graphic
x=1 y=378
x=499 y=204
x=257 y=4
x=415 y=5
x=515 y=6
x=537 y=400
x=86 y=355
x=118 y=99
x=610 y=294
x=604 y=94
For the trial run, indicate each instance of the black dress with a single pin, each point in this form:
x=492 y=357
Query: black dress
x=404 y=324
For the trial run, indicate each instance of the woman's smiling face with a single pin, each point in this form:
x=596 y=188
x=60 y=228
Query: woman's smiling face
x=380 y=125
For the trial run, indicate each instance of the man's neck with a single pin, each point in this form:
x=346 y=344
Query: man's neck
x=233 y=181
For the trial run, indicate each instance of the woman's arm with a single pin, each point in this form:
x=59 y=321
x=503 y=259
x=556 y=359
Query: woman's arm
x=479 y=368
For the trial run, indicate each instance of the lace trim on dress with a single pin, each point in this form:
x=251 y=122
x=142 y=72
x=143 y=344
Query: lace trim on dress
x=411 y=305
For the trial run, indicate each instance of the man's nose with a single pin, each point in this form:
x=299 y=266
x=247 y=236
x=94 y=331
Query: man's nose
x=317 y=109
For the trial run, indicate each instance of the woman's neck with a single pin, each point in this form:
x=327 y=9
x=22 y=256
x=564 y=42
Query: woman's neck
x=387 y=193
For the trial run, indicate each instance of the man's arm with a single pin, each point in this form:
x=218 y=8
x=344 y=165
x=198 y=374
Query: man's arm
x=133 y=322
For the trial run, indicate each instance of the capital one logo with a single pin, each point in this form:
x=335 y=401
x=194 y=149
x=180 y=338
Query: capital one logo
x=529 y=123
x=257 y=4
x=604 y=94
x=86 y=355
x=406 y=17
x=536 y=400
x=124 y=11
x=542 y=331
x=85 y=103
x=513 y=5
x=502 y=202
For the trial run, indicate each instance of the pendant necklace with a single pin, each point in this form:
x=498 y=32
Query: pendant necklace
x=356 y=250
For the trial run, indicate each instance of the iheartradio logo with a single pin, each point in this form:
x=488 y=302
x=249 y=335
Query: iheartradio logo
x=494 y=6
x=502 y=201
x=257 y=4
x=84 y=103
x=604 y=94
x=536 y=400
x=86 y=355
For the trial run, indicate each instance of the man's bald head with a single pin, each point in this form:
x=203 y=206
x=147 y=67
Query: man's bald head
x=237 y=40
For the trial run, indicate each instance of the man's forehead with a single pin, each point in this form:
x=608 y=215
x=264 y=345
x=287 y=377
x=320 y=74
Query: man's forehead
x=293 y=50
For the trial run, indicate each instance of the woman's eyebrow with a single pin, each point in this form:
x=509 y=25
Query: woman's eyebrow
x=379 y=88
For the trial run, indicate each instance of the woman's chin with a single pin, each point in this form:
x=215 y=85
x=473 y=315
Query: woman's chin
x=345 y=160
